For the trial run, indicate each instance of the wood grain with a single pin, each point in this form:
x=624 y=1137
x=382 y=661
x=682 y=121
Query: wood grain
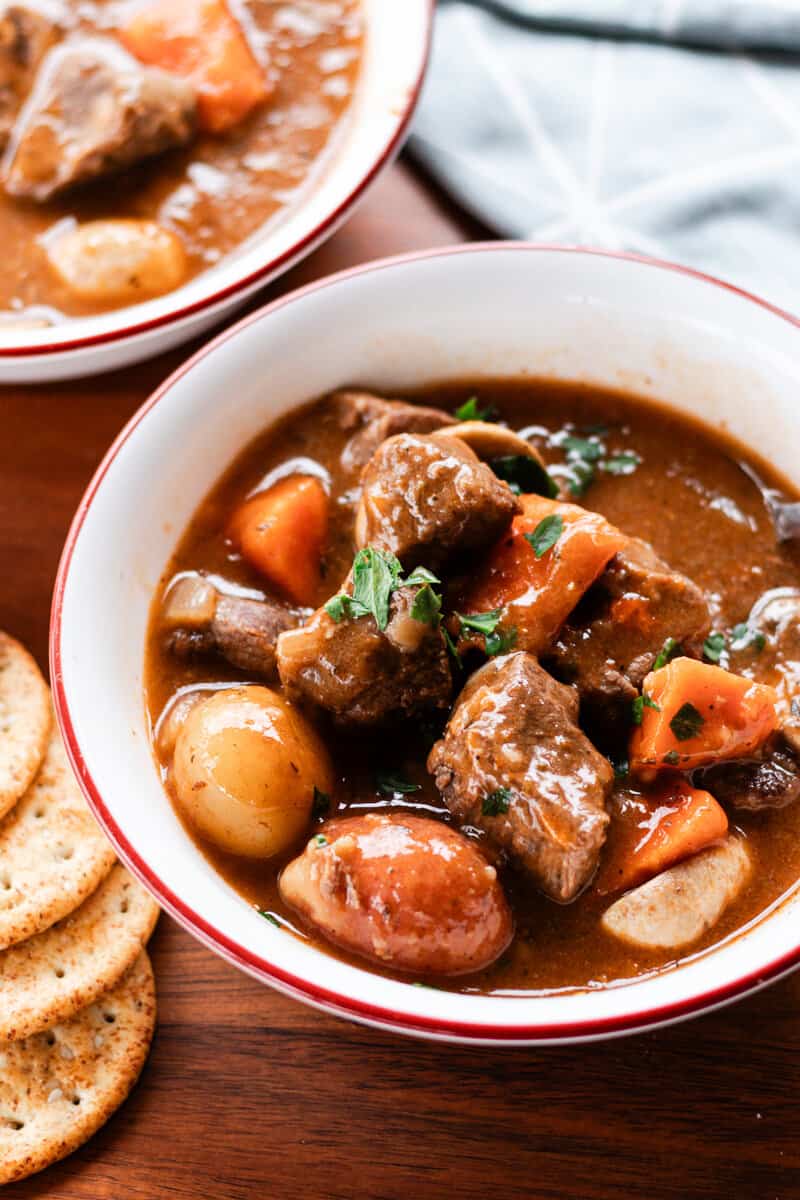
x=250 y=1095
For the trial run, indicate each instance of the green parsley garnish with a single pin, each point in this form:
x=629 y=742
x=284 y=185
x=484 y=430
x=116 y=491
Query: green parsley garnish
x=672 y=758
x=546 y=534
x=523 y=473
x=451 y=646
x=667 y=652
x=481 y=622
x=426 y=606
x=501 y=641
x=589 y=449
x=268 y=916
x=623 y=463
x=390 y=783
x=320 y=839
x=638 y=706
x=687 y=722
x=743 y=637
x=621 y=768
x=496 y=802
x=469 y=411
x=714 y=647
x=420 y=575
x=322 y=803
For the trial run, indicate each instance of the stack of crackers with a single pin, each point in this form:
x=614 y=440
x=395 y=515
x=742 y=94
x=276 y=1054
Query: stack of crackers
x=77 y=996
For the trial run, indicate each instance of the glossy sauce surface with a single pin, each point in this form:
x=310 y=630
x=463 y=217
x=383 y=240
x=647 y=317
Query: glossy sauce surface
x=688 y=496
x=218 y=190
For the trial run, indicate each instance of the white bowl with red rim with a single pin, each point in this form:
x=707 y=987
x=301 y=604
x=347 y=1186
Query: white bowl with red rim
x=498 y=309
x=396 y=47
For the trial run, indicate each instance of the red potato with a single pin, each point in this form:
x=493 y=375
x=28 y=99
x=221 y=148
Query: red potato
x=698 y=714
x=201 y=41
x=405 y=892
x=282 y=533
x=537 y=593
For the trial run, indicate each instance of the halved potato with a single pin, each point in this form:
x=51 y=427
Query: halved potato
x=117 y=261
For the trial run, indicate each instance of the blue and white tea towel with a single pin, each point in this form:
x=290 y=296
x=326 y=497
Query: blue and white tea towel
x=656 y=126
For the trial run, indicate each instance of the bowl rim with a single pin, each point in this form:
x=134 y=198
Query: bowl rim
x=256 y=964
x=273 y=266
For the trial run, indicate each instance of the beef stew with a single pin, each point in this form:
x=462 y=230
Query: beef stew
x=561 y=653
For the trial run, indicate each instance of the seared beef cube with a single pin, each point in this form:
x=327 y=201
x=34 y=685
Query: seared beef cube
x=614 y=636
x=429 y=499
x=514 y=763
x=198 y=619
x=27 y=32
x=363 y=675
x=372 y=420
x=94 y=110
x=772 y=780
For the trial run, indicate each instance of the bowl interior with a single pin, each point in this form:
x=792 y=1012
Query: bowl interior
x=395 y=51
x=475 y=311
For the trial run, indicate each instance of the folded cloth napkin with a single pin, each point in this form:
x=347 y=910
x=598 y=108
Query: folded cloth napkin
x=655 y=126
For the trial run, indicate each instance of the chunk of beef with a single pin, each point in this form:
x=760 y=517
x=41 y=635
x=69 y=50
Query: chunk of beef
x=371 y=420
x=27 y=32
x=772 y=780
x=429 y=499
x=94 y=109
x=365 y=676
x=198 y=619
x=514 y=763
x=615 y=634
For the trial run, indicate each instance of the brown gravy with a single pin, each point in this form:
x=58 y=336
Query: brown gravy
x=688 y=497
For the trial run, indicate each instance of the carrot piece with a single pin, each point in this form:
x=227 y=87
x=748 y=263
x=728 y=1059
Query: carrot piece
x=282 y=533
x=671 y=823
x=201 y=41
x=537 y=594
x=703 y=714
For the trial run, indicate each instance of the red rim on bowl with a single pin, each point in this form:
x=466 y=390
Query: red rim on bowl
x=255 y=964
x=268 y=269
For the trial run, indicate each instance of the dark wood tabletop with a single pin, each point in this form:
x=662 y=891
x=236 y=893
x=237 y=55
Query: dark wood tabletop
x=250 y=1095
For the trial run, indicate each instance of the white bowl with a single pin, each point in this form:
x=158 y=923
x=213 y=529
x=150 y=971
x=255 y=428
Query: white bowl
x=396 y=49
x=499 y=309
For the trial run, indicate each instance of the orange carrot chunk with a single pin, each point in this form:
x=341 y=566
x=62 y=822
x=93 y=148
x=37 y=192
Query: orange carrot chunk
x=540 y=569
x=282 y=533
x=671 y=823
x=201 y=41
x=695 y=714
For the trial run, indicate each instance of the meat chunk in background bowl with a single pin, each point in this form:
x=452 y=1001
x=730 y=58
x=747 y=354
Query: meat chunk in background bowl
x=94 y=110
x=369 y=669
x=27 y=32
x=514 y=763
x=611 y=641
x=429 y=500
x=405 y=892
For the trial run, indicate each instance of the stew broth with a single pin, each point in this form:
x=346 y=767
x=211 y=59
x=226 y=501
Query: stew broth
x=686 y=494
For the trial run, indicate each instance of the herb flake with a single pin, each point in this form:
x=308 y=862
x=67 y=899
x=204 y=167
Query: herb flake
x=470 y=411
x=546 y=534
x=480 y=622
x=391 y=783
x=268 y=916
x=714 y=647
x=639 y=705
x=496 y=803
x=524 y=473
x=501 y=641
x=426 y=606
x=666 y=654
x=687 y=722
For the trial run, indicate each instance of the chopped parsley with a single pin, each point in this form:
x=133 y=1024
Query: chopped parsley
x=744 y=637
x=586 y=455
x=523 y=473
x=501 y=641
x=268 y=916
x=320 y=840
x=322 y=803
x=666 y=654
x=469 y=411
x=546 y=534
x=672 y=758
x=376 y=575
x=623 y=463
x=481 y=622
x=714 y=647
x=638 y=706
x=687 y=722
x=496 y=802
x=427 y=606
x=451 y=646
x=391 y=783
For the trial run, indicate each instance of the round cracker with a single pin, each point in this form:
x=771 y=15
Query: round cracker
x=52 y=976
x=25 y=721
x=58 y=1088
x=52 y=852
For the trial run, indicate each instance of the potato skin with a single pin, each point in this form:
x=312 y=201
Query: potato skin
x=405 y=892
x=245 y=767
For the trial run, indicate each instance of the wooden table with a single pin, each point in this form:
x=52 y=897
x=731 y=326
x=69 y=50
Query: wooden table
x=250 y=1095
